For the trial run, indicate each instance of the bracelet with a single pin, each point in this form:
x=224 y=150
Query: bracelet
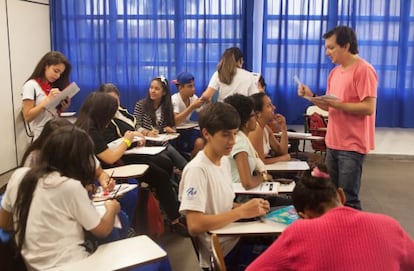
x=127 y=142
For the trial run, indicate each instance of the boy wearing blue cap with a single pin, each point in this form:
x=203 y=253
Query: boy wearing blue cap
x=184 y=101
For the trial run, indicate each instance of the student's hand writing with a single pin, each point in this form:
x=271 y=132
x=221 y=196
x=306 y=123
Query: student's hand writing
x=169 y=130
x=112 y=206
x=254 y=207
x=109 y=186
x=129 y=135
x=153 y=132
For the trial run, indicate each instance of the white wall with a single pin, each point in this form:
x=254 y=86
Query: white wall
x=24 y=39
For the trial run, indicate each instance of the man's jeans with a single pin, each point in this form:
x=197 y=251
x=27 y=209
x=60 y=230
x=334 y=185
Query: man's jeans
x=345 y=170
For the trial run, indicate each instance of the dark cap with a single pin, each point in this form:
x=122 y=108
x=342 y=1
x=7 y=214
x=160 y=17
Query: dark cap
x=183 y=78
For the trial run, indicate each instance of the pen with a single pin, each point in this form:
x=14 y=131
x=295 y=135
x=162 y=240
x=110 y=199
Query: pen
x=116 y=192
x=109 y=180
x=110 y=177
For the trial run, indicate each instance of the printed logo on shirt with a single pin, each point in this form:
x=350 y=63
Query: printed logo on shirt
x=191 y=192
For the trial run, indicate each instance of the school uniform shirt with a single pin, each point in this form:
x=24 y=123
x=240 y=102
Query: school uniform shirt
x=59 y=212
x=179 y=105
x=342 y=239
x=207 y=188
x=243 y=83
x=242 y=145
x=33 y=91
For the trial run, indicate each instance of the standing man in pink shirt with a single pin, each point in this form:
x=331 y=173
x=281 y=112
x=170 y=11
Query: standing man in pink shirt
x=351 y=125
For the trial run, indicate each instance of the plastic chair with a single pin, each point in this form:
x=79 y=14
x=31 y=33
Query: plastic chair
x=310 y=110
x=217 y=259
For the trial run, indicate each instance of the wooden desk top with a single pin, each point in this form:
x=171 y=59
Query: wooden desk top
x=120 y=254
x=251 y=228
x=127 y=171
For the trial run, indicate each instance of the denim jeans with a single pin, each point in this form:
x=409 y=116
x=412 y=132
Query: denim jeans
x=345 y=170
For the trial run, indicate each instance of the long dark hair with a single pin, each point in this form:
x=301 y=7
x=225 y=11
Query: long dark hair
x=166 y=104
x=314 y=191
x=49 y=127
x=53 y=58
x=109 y=88
x=257 y=99
x=69 y=151
x=243 y=105
x=97 y=110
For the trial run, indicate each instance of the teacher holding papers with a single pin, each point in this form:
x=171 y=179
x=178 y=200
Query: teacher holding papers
x=351 y=125
x=50 y=76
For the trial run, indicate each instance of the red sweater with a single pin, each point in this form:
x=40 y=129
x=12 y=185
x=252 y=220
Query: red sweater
x=341 y=239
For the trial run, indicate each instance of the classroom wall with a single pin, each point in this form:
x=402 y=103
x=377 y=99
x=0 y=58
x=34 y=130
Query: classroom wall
x=24 y=39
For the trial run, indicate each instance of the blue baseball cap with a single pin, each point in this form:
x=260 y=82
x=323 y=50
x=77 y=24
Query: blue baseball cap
x=183 y=78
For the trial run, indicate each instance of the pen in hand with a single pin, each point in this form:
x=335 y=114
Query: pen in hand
x=108 y=182
x=116 y=192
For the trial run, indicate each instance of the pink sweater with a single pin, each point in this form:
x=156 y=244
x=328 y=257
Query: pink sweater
x=342 y=239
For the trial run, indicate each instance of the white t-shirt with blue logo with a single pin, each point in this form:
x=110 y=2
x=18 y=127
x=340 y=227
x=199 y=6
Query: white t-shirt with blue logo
x=207 y=188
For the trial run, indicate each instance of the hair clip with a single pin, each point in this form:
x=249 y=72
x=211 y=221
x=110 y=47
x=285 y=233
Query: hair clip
x=163 y=80
x=316 y=172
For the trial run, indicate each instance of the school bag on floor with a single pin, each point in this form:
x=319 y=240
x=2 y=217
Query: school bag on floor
x=149 y=219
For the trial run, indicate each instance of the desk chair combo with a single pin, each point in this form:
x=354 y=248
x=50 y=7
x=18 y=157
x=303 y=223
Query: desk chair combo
x=316 y=121
x=217 y=259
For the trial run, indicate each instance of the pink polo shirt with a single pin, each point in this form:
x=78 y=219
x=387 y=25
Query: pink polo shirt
x=350 y=132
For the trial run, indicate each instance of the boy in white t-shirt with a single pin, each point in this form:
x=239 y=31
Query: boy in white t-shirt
x=185 y=102
x=206 y=191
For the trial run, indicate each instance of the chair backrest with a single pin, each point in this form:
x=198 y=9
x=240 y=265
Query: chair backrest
x=313 y=108
x=317 y=127
x=217 y=260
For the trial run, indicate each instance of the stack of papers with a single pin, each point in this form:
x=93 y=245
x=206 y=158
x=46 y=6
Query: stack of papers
x=119 y=190
x=69 y=91
x=162 y=137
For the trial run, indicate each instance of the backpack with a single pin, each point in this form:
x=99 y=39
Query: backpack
x=148 y=219
x=315 y=122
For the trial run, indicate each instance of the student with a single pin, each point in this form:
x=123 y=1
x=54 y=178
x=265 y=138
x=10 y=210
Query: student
x=155 y=112
x=351 y=126
x=230 y=78
x=122 y=122
x=206 y=191
x=246 y=167
x=335 y=237
x=261 y=84
x=185 y=102
x=94 y=115
x=31 y=159
x=269 y=149
x=49 y=204
x=50 y=76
